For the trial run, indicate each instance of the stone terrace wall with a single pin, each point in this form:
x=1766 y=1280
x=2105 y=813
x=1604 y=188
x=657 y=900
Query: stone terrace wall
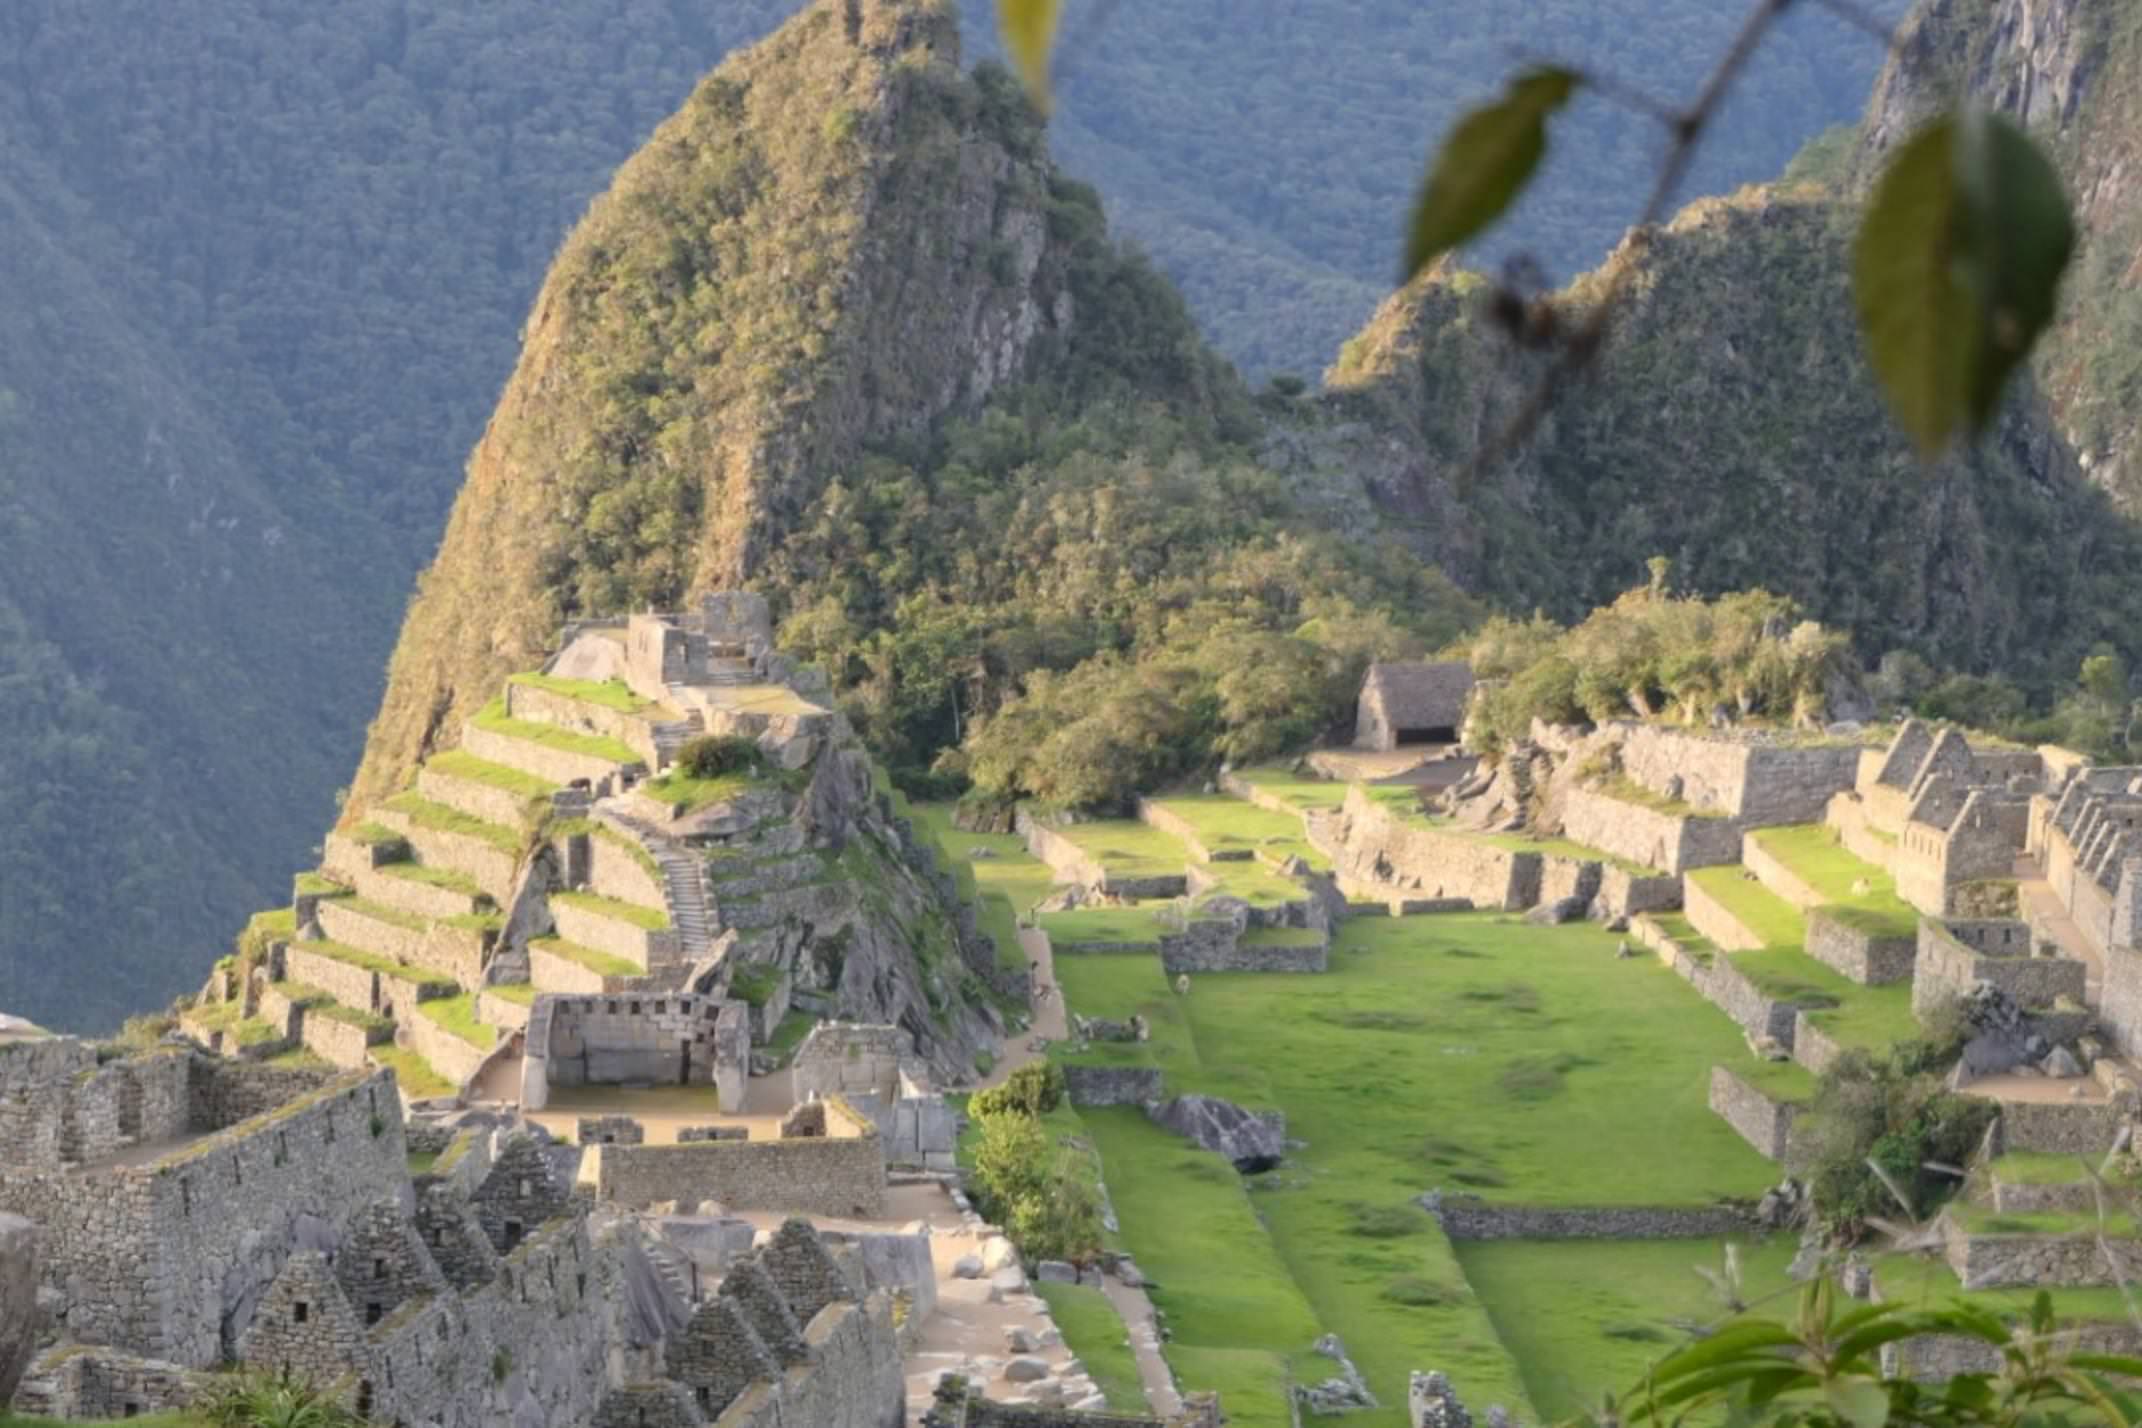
x=641 y=946
x=1762 y=1122
x=1864 y=957
x=2059 y=1127
x=1071 y=863
x=1722 y=984
x=543 y=706
x=350 y=985
x=840 y=1176
x=1756 y=783
x=557 y=765
x=2002 y=1261
x=1462 y=1221
x=457 y=1060
x=1947 y=968
x=1112 y=1085
x=1215 y=947
x=614 y=872
x=1645 y=835
x=650 y=1038
x=1378 y=848
x=1625 y=894
x=1941 y=1357
x=1714 y=920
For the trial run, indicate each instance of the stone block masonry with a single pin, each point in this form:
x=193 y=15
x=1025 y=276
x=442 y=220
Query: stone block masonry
x=1217 y=947
x=1760 y=1120
x=559 y=766
x=1722 y=984
x=1812 y=1047
x=141 y=1255
x=1868 y=958
x=1669 y=842
x=1374 y=846
x=1468 y=1220
x=2059 y=1127
x=833 y=1175
x=488 y=867
x=451 y=1056
x=1754 y=781
x=1947 y=969
x=1715 y=920
x=1112 y=1085
x=633 y=1039
x=1999 y=1261
x=641 y=946
x=477 y=799
x=1072 y=863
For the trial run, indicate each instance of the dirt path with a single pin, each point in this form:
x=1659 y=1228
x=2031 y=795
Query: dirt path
x=1051 y=1023
x=1136 y=1312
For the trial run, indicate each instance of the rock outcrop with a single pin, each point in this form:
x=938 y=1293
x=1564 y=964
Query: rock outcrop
x=18 y=1300
x=1253 y=1140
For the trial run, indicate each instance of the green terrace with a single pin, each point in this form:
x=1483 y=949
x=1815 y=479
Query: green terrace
x=1772 y=919
x=418 y=1080
x=373 y=835
x=1128 y=847
x=1093 y=1331
x=385 y=966
x=317 y=885
x=493 y=719
x=439 y=818
x=1984 y=1220
x=686 y=794
x=2029 y=1167
x=1306 y=792
x=1224 y=823
x=457 y=1014
x=1928 y=1282
x=521 y=994
x=630 y=845
x=1253 y=883
x=380 y=912
x=611 y=694
x=1814 y=854
x=993 y=868
x=445 y=878
x=602 y=964
x=1785 y=1081
x=459 y=763
x=303 y=995
x=1624 y=789
x=1135 y=925
x=371 y=1023
x=616 y=909
x=230 y=1019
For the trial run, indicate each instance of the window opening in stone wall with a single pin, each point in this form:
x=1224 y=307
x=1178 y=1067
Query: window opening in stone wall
x=130 y=1410
x=374 y=1311
x=185 y=1189
x=300 y=1311
x=684 y=1065
x=1429 y=734
x=513 y=1236
x=635 y=1008
x=364 y=1398
x=379 y=1267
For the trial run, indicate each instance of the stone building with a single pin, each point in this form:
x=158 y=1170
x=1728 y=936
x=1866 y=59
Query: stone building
x=1412 y=702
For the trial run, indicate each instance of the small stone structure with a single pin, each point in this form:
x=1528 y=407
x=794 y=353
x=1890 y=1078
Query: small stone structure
x=1955 y=956
x=959 y=1404
x=837 y=1169
x=609 y=1130
x=648 y=1038
x=1412 y=703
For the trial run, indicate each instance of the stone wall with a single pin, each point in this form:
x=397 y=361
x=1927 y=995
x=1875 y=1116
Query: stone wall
x=1937 y=1358
x=343 y=1043
x=1812 y=1047
x=76 y=1383
x=455 y=1059
x=1761 y=1121
x=1473 y=1221
x=1999 y=1261
x=455 y=953
x=1865 y=957
x=1947 y=969
x=350 y=985
x=1645 y=835
x=567 y=977
x=2059 y=1127
x=491 y=869
x=560 y=766
x=613 y=872
x=1721 y=984
x=57 y=1105
x=1112 y=1085
x=476 y=798
x=641 y=946
x=1757 y=783
x=1073 y=864
x=2120 y=999
x=1217 y=947
x=544 y=706
x=851 y=1059
x=1623 y=893
x=632 y=1039
x=1379 y=848
x=841 y=1176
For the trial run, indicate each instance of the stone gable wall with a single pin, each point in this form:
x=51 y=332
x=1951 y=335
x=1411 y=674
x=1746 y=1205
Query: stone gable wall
x=818 y=1175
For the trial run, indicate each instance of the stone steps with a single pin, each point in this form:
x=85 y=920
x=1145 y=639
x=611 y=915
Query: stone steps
x=424 y=892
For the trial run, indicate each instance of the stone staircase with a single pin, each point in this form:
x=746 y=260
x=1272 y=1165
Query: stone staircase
x=675 y=734
x=684 y=885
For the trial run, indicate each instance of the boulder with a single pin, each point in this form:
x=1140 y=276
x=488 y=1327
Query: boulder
x=1129 y=1273
x=1554 y=914
x=1056 y=1271
x=1018 y=1340
x=2060 y=1063
x=1432 y=1403
x=997 y=1252
x=1011 y=1279
x=1344 y=1391
x=1025 y=1368
x=967 y=1266
x=1254 y=1142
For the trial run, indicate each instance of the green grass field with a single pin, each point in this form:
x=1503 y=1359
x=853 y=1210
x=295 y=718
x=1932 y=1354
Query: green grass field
x=1128 y=847
x=602 y=964
x=458 y=1015
x=1224 y=822
x=418 y=1079
x=459 y=763
x=1777 y=922
x=1617 y=1306
x=1817 y=858
x=603 y=693
x=651 y=919
x=1307 y=793
x=1136 y=924
x=1094 y=1331
x=493 y=719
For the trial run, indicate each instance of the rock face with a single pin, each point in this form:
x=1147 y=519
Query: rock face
x=1254 y=1141
x=1432 y=1403
x=18 y=1301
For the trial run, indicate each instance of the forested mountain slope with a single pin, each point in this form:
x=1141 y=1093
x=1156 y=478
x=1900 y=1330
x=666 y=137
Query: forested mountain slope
x=2072 y=71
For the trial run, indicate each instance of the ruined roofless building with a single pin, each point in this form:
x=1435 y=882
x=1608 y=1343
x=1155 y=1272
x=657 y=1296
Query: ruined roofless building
x=1412 y=703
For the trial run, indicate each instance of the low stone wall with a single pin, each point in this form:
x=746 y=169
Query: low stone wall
x=1863 y=956
x=614 y=872
x=560 y=766
x=641 y=946
x=1721 y=984
x=491 y=869
x=475 y=798
x=501 y=1012
x=1378 y=848
x=1215 y=947
x=1463 y=1221
x=1670 y=843
x=344 y=1043
x=1177 y=827
x=1813 y=1047
x=1112 y=1085
x=1775 y=875
x=1711 y=918
x=1937 y=1358
x=456 y=954
x=1073 y=864
x=351 y=986
x=840 y=1176
x=1623 y=893
x=1946 y=968
x=1996 y=1261
x=2067 y=1197
x=448 y=1054
x=411 y=895
x=1762 y=1122
x=544 y=706
x=562 y=975
x=2058 y=1127
x=346 y=857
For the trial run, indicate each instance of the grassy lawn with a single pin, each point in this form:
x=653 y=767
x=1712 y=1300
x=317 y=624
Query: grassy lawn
x=1777 y=922
x=602 y=964
x=317 y=885
x=1306 y=792
x=521 y=994
x=441 y=819
x=2029 y=1167
x=689 y=794
x=459 y=763
x=1617 y=1306
x=1191 y=1227
x=299 y=1059
x=458 y=1015
x=1681 y=930
x=1224 y=822
x=493 y=719
x=418 y=1080
x=650 y=918
x=358 y=957
x=603 y=693
x=1128 y=847
x=1872 y=1017
x=1094 y=1331
x=1470 y=1052
x=1137 y=923
x=1253 y=883
x=445 y=878
x=1779 y=1080
x=1813 y=853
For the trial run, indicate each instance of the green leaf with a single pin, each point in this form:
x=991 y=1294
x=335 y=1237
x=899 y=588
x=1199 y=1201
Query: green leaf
x=1745 y=1337
x=1485 y=163
x=1956 y=270
x=1861 y=1402
x=1029 y=31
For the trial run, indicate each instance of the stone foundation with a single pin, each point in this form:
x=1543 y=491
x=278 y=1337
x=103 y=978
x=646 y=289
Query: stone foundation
x=1518 y=1222
x=1762 y=1122
x=1865 y=957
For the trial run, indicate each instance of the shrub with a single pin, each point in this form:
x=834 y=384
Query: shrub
x=716 y=756
x=1889 y=1119
x=274 y=1401
x=1033 y=1090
